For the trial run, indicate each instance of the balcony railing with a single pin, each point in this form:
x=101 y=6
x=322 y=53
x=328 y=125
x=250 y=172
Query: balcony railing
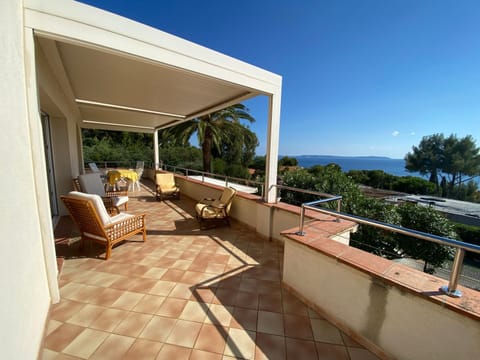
x=461 y=247
x=226 y=179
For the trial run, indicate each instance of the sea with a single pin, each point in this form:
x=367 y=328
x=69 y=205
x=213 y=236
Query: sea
x=391 y=166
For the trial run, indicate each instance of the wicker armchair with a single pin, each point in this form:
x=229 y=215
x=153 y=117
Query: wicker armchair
x=95 y=224
x=92 y=184
x=211 y=212
x=166 y=187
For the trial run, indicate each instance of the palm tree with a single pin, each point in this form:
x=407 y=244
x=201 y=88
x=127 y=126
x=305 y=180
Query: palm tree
x=212 y=130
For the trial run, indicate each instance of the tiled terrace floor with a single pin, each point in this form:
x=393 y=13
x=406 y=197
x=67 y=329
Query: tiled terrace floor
x=184 y=294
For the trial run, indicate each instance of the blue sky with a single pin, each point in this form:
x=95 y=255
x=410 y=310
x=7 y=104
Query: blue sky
x=368 y=77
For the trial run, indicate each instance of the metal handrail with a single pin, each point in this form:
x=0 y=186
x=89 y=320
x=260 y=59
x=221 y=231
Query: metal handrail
x=215 y=176
x=461 y=247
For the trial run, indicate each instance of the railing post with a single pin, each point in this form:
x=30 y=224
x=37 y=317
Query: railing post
x=339 y=207
x=451 y=288
x=302 y=217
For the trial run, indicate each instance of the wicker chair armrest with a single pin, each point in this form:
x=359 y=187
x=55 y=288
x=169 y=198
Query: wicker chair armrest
x=113 y=193
x=123 y=227
x=108 y=202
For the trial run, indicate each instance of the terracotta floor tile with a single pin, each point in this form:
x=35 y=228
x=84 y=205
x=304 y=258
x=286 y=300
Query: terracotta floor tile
x=181 y=291
x=225 y=296
x=86 y=315
x=143 y=285
x=300 y=349
x=173 y=275
x=132 y=324
x=52 y=325
x=247 y=300
x=271 y=303
x=128 y=300
x=65 y=310
x=113 y=348
x=143 y=349
x=106 y=297
x=48 y=354
x=155 y=273
x=331 y=352
x=62 y=336
x=169 y=352
x=194 y=277
x=244 y=319
x=323 y=331
x=348 y=341
x=205 y=295
x=184 y=333
x=158 y=329
x=171 y=307
x=149 y=304
x=212 y=338
x=297 y=327
x=270 y=323
x=194 y=311
x=240 y=344
x=219 y=315
x=162 y=288
x=124 y=283
x=85 y=344
x=361 y=354
x=270 y=347
x=66 y=357
x=294 y=306
x=83 y=293
x=108 y=319
x=204 y=355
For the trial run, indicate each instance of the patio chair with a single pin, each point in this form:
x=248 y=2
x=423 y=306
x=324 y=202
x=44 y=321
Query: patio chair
x=211 y=212
x=92 y=184
x=95 y=224
x=139 y=170
x=166 y=186
x=94 y=168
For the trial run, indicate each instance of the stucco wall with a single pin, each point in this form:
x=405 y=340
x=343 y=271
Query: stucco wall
x=23 y=271
x=401 y=323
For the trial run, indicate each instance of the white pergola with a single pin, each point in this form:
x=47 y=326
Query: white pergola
x=117 y=74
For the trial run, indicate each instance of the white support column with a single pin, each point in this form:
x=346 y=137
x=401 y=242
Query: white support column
x=270 y=195
x=156 y=156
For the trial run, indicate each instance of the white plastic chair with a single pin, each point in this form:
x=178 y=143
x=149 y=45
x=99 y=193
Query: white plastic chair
x=139 y=170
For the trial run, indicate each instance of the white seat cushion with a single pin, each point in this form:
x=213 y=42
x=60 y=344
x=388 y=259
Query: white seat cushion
x=97 y=204
x=119 y=200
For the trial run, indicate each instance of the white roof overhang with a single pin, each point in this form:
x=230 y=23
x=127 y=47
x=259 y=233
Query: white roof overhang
x=118 y=74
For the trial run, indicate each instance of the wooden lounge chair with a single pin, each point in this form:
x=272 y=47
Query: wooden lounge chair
x=95 y=224
x=211 y=212
x=93 y=184
x=166 y=186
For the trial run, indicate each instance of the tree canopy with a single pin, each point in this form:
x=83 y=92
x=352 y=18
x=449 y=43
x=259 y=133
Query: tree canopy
x=219 y=133
x=331 y=180
x=448 y=159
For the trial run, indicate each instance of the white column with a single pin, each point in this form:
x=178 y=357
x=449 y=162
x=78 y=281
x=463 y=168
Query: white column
x=156 y=156
x=270 y=195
